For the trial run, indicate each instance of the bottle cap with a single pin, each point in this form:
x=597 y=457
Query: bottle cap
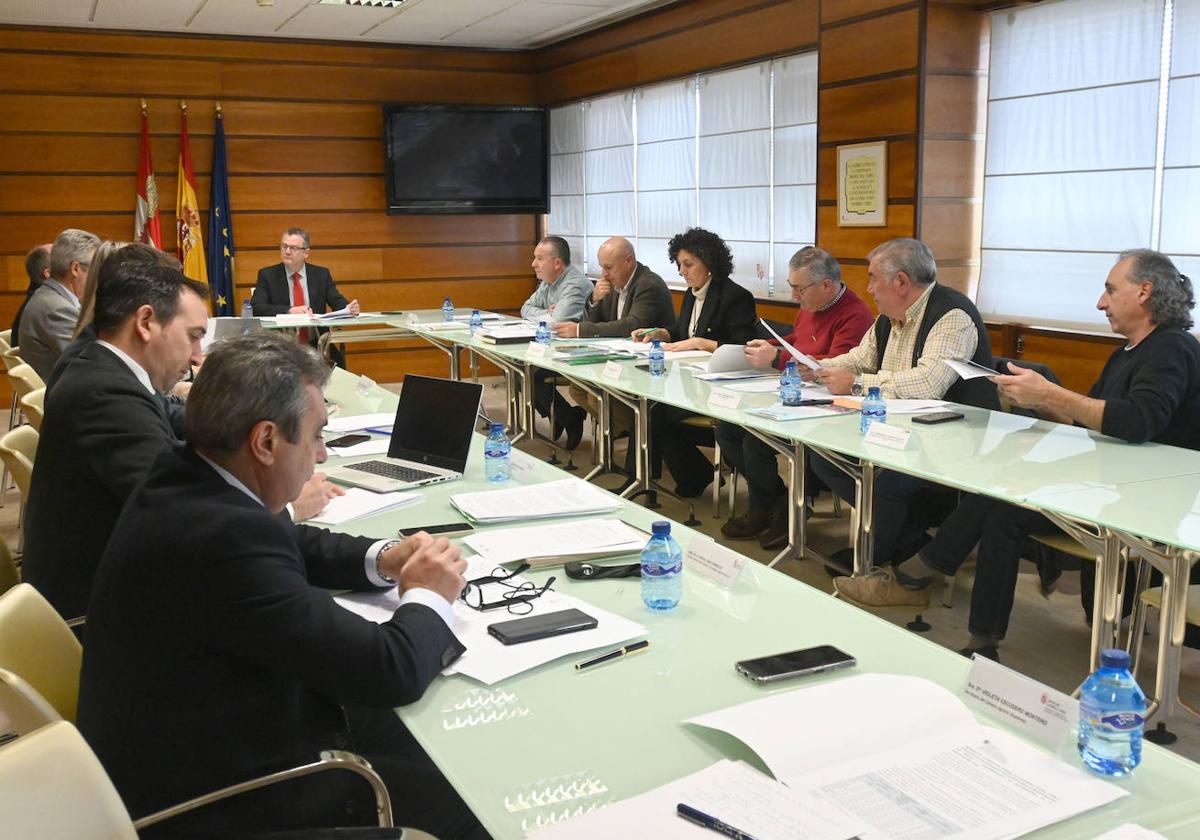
x=873 y=392
x=474 y=311
x=656 y=343
x=661 y=528
x=497 y=427
x=1114 y=658
x=790 y=367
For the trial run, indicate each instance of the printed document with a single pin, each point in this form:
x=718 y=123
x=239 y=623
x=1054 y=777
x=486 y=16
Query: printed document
x=566 y=497
x=938 y=775
x=968 y=369
x=803 y=358
x=357 y=422
x=558 y=542
x=358 y=502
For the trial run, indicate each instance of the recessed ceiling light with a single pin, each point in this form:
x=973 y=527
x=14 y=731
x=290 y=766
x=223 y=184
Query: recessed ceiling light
x=383 y=4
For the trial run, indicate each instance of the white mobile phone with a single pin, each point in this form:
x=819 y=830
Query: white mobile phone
x=795 y=663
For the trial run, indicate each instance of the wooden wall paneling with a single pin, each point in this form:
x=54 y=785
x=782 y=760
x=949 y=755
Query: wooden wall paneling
x=875 y=46
x=1077 y=359
x=833 y=11
x=857 y=242
x=879 y=108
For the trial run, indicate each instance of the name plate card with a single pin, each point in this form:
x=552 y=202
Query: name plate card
x=721 y=398
x=365 y=385
x=1037 y=710
x=715 y=562
x=536 y=351
x=893 y=437
x=611 y=372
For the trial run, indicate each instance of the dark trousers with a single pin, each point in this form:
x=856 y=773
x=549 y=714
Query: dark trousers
x=757 y=463
x=544 y=393
x=677 y=446
x=1000 y=530
x=893 y=524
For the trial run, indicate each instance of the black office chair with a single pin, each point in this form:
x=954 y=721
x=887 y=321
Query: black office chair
x=1001 y=364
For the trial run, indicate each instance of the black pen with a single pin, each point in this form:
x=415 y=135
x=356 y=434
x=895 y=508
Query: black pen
x=711 y=823
x=613 y=654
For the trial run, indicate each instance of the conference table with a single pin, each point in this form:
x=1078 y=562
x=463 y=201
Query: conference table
x=551 y=742
x=1056 y=469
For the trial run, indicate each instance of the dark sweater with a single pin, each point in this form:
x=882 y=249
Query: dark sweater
x=1152 y=392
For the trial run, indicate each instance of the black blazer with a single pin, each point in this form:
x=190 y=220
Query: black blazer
x=273 y=291
x=101 y=433
x=214 y=655
x=728 y=316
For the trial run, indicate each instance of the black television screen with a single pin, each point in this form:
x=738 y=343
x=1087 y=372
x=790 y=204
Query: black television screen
x=467 y=159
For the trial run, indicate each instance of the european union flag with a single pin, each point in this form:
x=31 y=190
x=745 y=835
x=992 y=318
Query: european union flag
x=220 y=228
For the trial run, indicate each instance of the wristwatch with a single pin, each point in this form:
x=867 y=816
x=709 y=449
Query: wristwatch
x=857 y=388
x=379 y=556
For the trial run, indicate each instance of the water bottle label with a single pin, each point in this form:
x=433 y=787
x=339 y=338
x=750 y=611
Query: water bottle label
x=1123 y=721
x=660 y=570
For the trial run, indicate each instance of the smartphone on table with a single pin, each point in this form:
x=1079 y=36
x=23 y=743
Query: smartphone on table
x=448 y=529
x=795 y=663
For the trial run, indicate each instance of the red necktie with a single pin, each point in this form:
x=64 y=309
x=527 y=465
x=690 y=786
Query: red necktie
x=298 y=300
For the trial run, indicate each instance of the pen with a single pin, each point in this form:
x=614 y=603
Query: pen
x=711 y=823
x=613 y=654
x=644 y=333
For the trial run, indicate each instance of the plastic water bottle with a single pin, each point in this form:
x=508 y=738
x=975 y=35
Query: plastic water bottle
x=658 y=363
x=447 y=310
x=247 y=309
x=476 y=321
x=789 y=384
x=1111 y=716
x=543 y=333
x=662 y=570
x=874 y=409
x=496 y=450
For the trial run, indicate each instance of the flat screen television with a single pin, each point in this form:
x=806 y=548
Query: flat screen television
x=467 y=159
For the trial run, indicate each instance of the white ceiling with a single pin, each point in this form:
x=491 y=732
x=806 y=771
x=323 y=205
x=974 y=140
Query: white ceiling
x=506 y=24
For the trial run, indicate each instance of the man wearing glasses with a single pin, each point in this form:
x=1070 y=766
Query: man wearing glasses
x=296 y=287
x=831 y=320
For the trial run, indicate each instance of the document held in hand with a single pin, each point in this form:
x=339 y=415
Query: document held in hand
x=803 y=358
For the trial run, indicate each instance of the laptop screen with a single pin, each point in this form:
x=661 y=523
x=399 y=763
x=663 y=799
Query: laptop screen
x=434 y=421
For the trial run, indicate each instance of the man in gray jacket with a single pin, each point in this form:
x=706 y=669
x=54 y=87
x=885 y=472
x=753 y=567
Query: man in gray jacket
x=560 y=296
x=52 y=312
x=628 y=296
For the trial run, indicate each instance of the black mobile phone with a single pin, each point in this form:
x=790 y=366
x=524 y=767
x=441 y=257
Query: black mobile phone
x=935 y=417
x=795 y=663
x=816 y=401
x=541 y=626
x=347 y=440
x=448 y=528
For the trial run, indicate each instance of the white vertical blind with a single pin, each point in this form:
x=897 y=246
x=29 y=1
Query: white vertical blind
x=732 y=151
x=1181 y=172
x=1070 y=165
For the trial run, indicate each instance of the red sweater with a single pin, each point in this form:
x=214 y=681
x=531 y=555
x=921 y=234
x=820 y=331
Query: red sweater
x=831 y=331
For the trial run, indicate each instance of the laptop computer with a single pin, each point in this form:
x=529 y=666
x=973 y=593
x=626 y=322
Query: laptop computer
x=431 y=437
x=224 y=328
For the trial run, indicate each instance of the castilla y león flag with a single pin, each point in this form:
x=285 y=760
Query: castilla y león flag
x=146 y=225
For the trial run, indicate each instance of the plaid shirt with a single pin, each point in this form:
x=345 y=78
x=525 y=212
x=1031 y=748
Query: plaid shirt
x=952 y=337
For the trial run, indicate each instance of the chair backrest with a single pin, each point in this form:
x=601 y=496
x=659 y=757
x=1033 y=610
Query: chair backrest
x=1002 y=363
x=22 y=709
x=12 y=358
x=9 y=575
x=37 y=645
x=34 y=406
x=25 y=379
x=17 y=449
x=52 y=787
x=5 y=340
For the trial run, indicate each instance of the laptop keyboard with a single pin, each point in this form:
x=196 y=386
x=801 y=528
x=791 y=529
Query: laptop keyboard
x=393 y=471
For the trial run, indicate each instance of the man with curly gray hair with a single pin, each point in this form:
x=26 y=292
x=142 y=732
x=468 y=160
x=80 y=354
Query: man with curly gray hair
x=1149 y=390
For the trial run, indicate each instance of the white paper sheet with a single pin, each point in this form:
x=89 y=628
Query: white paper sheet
x=642 y=348
x=756 y=386
x=729 y=358
x=907 y=406
x=566 y=497
x=486 y=659
x=731 y=791
x=803 y=358
x=968 y=369
x=344 y=312
x=1131 y=831
x=925 y=769
x=353 y=423
x=483 y=316
x=596 y=537
x=800 y=412
x=358 y=502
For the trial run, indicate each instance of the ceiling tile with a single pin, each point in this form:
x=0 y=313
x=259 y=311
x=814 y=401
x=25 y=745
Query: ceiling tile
x=134 y=14
x=64 y=13
x=244 y=17
x=335 y=21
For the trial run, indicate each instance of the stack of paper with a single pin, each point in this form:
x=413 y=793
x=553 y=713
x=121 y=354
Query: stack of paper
x=545 y=545
x=642 y=348
x=483 y=316
x=353 y=423
x=445 y=326
x=800 y=412
x=344 y=312
x=358 y=502
x=512 y=334
x=567 y=497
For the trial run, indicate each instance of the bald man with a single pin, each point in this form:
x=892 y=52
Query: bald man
x=627 y=297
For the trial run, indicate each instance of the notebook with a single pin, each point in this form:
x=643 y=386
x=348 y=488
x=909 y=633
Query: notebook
x=431 y=437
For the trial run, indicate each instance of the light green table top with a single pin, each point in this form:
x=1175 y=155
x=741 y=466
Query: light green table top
x=552 y=741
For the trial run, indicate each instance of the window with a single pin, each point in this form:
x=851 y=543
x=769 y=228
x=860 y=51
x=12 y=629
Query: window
x=733 y=151
x=1074 y=172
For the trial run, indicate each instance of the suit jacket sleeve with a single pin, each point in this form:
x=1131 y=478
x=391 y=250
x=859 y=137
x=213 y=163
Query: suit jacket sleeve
x=59 y=327
x=739 y=316
x=649 y=299
x=333 y=561
x=261 y=299
x=120 y=432
x=255 y=600
x=334 y=299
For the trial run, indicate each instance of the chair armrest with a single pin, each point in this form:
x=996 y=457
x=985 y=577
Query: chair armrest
x=329 y=760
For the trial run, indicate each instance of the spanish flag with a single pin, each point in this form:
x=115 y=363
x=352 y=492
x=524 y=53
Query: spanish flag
x=145 y=216
x=189 y=246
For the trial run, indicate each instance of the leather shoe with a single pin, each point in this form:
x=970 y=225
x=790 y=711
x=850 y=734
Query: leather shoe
x=574 y=427
x=878 y=589
x=776 y=534
x=747 y=526
x=991 y=652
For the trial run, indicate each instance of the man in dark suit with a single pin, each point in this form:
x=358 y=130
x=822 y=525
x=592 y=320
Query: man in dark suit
x=37 y=267
x=294 y=286
x=627 y=297
x=214 y=652
x=105 y=422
